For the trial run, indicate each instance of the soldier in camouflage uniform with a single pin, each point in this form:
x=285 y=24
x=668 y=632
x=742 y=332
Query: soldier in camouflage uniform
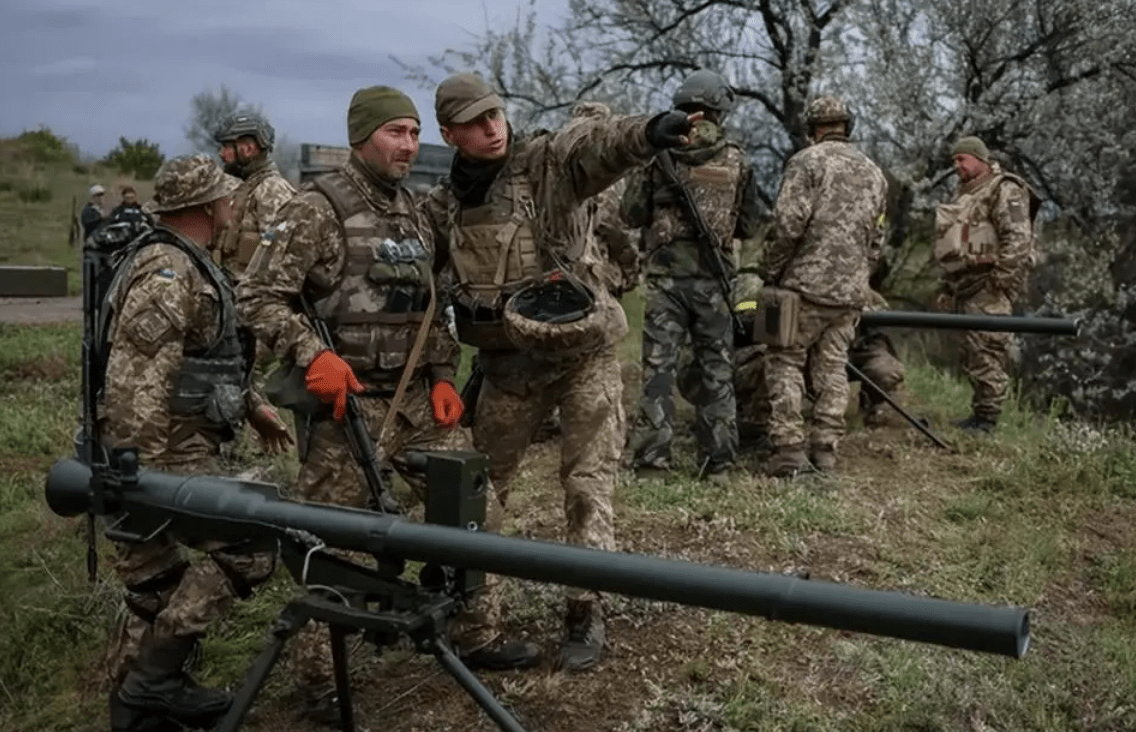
x=175 y=387
x=355 y=246
x=985 y=247
x=246 y=139
x=828 y=228
x=510 y=213
x=684 y=294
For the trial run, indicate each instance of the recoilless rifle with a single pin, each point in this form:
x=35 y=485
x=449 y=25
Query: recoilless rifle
x=351 y=598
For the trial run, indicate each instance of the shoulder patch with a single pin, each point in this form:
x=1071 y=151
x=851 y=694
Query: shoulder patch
x=167 y=273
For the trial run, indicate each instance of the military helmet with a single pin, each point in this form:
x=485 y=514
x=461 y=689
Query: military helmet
x=707 y=89
x=561 y=314
x=247 y=124
x=190 y=180
x=828 y=109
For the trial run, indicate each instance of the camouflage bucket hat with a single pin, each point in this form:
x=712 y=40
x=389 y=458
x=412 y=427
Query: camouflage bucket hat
x=190 y=180
x=462 y=97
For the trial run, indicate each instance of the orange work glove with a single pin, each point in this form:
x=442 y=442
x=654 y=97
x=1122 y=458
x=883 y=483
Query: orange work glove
x=331 y=379
x=447 y=403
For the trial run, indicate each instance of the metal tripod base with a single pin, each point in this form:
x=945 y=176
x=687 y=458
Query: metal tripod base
x=425 y=625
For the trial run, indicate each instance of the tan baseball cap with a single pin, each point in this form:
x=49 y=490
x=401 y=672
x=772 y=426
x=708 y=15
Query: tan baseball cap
x=462 y=97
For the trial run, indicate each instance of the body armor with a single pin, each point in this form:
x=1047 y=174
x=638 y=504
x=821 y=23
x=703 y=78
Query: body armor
x=381 y=300
x=241 y=239
x=494 y=254
x=212 y=382
x=965 y=238
x=713 y=184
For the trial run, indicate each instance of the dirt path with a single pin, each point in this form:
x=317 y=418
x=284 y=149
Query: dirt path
x=37 y=310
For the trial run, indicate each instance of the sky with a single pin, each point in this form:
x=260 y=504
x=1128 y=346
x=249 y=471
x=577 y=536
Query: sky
x=95 y=71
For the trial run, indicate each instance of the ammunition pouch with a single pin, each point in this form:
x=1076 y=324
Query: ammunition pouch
x=776 y=323
x=211 y=388
x=286 y=387
x=481 y=325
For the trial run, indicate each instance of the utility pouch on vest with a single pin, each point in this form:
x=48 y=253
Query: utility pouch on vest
x=776 y=324
x=286 y=388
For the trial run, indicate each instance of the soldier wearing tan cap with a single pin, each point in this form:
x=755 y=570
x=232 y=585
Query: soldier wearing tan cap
x=512 y=216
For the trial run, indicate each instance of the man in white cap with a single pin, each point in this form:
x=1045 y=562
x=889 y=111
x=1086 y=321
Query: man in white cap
x=92 y=214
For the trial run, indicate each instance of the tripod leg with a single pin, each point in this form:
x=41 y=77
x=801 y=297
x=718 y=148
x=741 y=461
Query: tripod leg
x=342 y=682
x=291 y=619
x=475 y=688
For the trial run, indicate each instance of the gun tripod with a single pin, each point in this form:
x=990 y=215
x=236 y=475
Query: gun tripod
x=406 y=609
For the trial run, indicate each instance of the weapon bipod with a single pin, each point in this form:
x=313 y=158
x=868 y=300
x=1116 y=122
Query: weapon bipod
x=408 y=609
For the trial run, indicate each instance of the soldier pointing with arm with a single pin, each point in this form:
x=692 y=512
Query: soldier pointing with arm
x=519 y=243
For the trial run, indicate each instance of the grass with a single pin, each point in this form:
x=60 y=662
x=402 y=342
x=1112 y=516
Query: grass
x=42 y=188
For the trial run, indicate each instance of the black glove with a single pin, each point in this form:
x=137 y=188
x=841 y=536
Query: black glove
x=669 y=129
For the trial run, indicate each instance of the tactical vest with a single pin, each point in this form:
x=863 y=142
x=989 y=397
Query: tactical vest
x=212 y=382
x=242 y=238
x=494 y=254
x=714 y=187
x=965 y=237
x=381 y=300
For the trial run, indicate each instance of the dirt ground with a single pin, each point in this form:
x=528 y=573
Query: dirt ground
x=39 y=310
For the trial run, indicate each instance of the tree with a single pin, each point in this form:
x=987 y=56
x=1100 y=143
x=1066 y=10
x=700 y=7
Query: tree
x=207 y=110
x=140 y=158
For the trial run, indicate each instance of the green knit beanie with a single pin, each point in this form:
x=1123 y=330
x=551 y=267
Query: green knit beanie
x=972 y=146
x=373 y=107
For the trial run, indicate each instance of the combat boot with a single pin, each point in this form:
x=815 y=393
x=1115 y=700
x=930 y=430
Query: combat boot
x=823 y=458
x=975 y=425
x=584 y=637
x=503 y=654
x=158 y=688
x=787 y=461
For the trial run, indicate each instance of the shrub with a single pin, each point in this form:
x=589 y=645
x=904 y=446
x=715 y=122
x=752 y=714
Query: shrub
x=44 y=146
x=34 y=194
x=140 y=158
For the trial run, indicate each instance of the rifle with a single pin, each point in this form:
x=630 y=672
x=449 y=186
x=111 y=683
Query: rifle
x=711 y=248
x=87 y=447
x=358 y=438
x=470 y=393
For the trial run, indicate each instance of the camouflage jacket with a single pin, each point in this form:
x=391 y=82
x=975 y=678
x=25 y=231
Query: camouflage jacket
x=306 y=253
x=164 y=307
x=257 y=202
x=723 y=188
x=563 y=169
x=829 y=223
x=1009 y=204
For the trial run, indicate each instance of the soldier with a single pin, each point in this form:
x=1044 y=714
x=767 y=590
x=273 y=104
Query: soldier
x=354 y=245
x=827 y=234
x=246 y=140
x=511 y=218
x=685 y=293
x=92 y=214
x=175 y=382
x=984 y=246
x=129 y=210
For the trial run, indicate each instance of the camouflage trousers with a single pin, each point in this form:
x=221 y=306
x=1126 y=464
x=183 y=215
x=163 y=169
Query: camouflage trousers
x=985 y=354
x=675 y=309
x=518 y=391
x=874 y=355
x=823 y=337
x=171 y=592
x=329 y=474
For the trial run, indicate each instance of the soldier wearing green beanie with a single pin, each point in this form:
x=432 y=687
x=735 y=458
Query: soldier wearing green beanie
x=984 y=248
x=354 y=245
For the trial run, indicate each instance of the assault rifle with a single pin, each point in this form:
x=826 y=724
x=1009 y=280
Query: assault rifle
x=358 y=438
x=343 y=594
x=956 y=321
x=711 y=248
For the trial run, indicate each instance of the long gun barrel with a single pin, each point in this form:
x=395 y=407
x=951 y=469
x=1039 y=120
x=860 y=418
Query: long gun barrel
x=953 y=321
x=205 y=507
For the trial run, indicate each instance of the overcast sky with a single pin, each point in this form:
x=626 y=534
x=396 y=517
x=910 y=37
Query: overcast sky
x=92 y=71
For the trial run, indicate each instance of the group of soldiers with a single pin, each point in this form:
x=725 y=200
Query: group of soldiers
x=511 y=244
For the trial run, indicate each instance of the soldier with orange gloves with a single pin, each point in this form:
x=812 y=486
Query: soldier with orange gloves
x=355 y=247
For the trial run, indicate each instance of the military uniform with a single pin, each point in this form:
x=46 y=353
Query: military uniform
x=175 y=388
x=984 y=247
x=684 y=297
x=828 y=229
x=355 y=245
x=262 y=194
